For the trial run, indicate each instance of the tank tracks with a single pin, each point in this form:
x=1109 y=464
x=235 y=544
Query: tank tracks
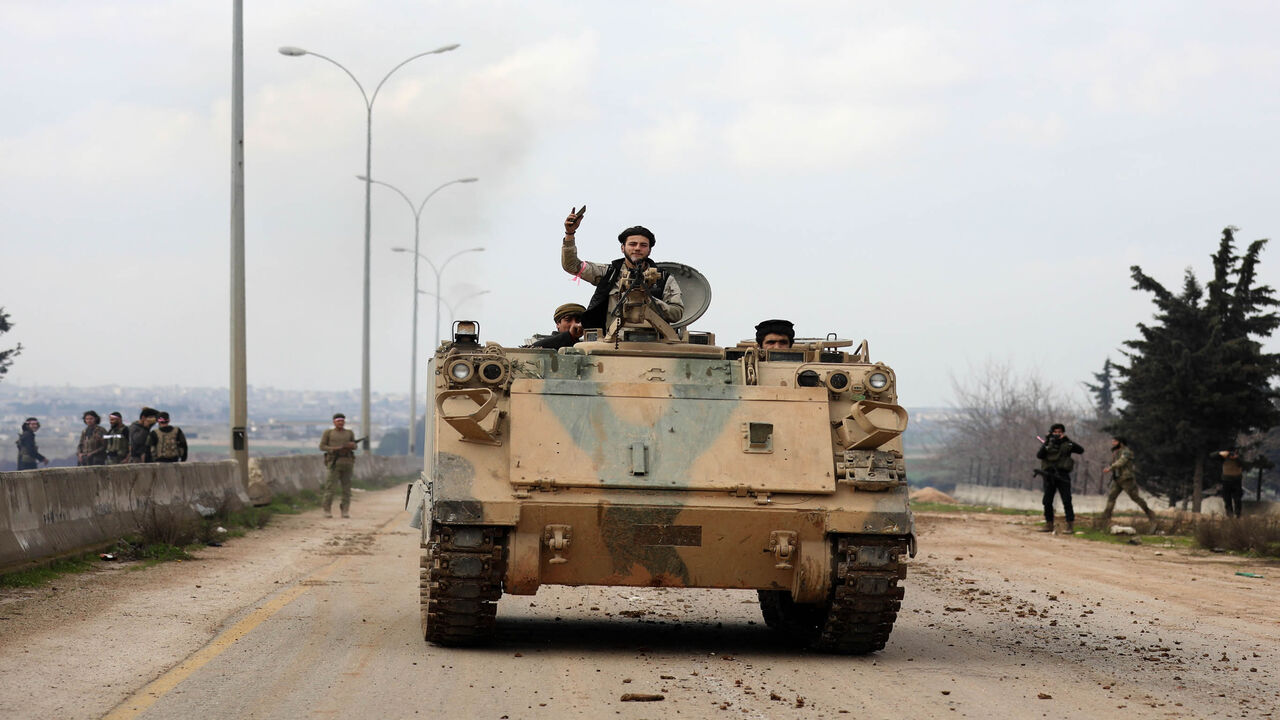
x=864 y=602
x=461 y=581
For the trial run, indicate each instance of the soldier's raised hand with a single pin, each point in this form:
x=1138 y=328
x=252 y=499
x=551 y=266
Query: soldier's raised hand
x=572 y=222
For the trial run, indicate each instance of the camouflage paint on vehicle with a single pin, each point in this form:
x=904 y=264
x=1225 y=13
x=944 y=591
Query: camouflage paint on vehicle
x=638 y=461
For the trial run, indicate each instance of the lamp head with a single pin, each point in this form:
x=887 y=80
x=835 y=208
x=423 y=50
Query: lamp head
x=292 y=51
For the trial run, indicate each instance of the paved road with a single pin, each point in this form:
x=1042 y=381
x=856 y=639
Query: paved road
x=318 y=618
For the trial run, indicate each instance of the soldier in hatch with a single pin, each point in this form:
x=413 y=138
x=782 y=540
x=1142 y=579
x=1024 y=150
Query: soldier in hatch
x=568 y=320
x=612 y=280
x=775 y=335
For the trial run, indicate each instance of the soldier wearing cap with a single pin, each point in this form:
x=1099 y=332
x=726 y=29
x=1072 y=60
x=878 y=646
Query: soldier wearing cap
x=117 y=439
x=339 y=446
x=775 y=335
x=613 y=279
x=92 y=449
x=568 y=320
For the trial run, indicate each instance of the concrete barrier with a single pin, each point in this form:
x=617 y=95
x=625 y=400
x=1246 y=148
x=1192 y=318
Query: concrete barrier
x=291 y=474
x=63 y=511
x=57 y=512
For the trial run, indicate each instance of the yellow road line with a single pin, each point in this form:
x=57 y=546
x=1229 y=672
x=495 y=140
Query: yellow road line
x=146 y=697
x=138 y=703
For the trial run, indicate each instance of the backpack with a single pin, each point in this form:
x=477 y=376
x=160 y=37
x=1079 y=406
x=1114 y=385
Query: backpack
x=167 y=445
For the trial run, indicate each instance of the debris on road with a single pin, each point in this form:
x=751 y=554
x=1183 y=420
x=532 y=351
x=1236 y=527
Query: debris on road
x=642 y=697
x=1249 y=575
x=1123 y=530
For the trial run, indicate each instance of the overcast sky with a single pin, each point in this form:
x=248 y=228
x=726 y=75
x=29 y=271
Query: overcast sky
x=955 y=182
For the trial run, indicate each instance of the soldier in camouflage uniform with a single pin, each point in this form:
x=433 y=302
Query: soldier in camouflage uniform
x=117 y=439
x=92 y=449
x=339 y=446
x=1123 y=479
x=1056 y=465
x=612 y=280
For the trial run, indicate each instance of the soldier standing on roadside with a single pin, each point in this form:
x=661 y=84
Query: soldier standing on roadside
x=339 y=446
x=1232 y=481
x=612 y=280
x=1056 y=465
x=93 y=448
x=117 y=439
x=167 y=443
x=1123 y=478
x=140 y=436
x=28 y=454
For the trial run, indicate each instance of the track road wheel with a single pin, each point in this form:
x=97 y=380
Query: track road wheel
x=461 y=582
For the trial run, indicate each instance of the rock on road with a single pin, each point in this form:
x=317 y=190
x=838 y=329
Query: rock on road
x=318 y=618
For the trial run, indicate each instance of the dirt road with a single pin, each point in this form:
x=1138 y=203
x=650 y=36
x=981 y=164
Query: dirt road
x=318 y=618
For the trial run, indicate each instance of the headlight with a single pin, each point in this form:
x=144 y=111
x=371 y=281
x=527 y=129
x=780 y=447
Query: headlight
x=460 y=371
x=878 y=380
x=837 y=381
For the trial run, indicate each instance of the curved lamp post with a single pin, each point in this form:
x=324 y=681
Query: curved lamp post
x=452 y=307
x=417 y=224
x=365 y=424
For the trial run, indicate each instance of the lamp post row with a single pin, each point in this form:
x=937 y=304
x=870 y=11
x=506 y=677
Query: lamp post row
x=365 y=421
x=413 y=365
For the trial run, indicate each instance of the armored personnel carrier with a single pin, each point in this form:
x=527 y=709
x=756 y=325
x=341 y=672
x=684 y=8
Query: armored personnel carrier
x=646 y=455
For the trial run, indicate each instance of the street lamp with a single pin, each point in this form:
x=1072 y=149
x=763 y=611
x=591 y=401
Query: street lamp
x=453 y=313
x=413 y=365
x=365 y=424
x=438 y=271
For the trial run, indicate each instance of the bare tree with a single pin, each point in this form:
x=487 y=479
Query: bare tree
x=996 y=417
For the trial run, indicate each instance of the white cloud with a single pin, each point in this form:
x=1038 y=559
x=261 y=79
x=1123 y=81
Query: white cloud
x=816 y=137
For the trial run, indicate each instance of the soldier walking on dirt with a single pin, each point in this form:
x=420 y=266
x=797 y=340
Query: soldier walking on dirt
x=1056 y=465
x=1123 y=479
x=117 y=440
x=168 y=444
x=339 y=446
x=612 y=280
x=1232 y=481
x=92 y=449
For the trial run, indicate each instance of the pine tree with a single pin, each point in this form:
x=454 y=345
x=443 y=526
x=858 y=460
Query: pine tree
x=7 y=356
x=1104 y=391
x=1197 y=378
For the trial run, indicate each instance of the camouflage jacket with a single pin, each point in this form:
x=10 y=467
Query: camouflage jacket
x=1122 y=467
x=670 y=305
x=93 y=445
x=117 y=440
